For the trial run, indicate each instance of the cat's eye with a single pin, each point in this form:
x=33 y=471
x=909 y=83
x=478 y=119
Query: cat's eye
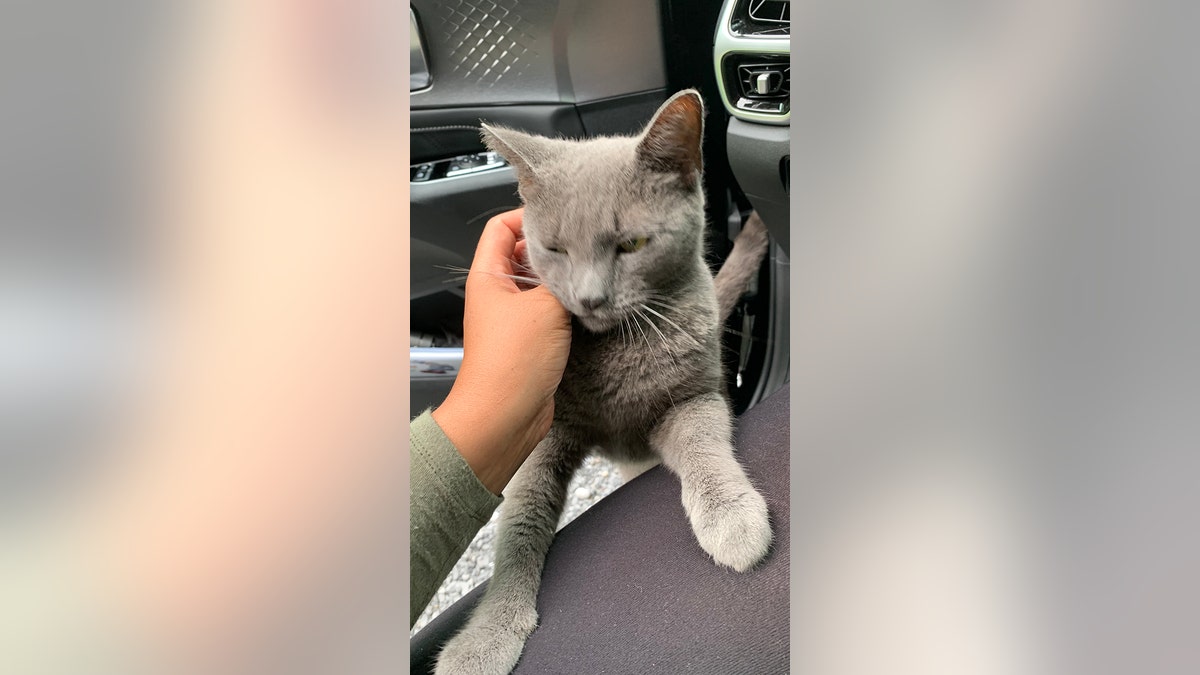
x=554 y=249
x=634 y=245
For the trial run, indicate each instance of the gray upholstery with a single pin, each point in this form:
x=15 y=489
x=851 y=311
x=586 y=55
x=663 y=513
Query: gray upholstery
x=628 y=590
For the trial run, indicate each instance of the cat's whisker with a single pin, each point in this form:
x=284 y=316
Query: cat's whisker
x=659 y=302
x=731 y=350
x=644 y=337
x=525 y=280
x=743 y=335
x=724 y=328
x=533 y=281
x=460 y=275
x=654 y=300
x=677 y=326
x=667 y=307
x=659 y=298
x=666 y=346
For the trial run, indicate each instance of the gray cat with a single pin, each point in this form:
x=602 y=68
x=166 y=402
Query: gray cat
x=615 y=230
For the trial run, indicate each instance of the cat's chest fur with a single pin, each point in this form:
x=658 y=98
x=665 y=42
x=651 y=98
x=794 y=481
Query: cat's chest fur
x=617 y=385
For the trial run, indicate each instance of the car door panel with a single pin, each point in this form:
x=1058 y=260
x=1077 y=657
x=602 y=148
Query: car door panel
x=448 y=132
x=448 y=216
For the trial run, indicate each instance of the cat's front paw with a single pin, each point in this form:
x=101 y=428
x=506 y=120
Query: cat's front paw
x=489 y=646
x=735 y=532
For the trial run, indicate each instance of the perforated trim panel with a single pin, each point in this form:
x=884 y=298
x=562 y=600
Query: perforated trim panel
x=488 y=40
x=496 y=52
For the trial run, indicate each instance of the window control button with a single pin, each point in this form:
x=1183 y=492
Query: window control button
x=423 y=173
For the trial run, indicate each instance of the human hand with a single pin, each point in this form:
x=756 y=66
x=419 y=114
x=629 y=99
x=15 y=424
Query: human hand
x=515 y=347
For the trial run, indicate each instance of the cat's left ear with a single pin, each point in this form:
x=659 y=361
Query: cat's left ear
x=525 y=152
x=672 y=142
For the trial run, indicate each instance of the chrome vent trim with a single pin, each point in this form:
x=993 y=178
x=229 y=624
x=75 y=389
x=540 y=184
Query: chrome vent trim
x=761 y=18
x=770 y=11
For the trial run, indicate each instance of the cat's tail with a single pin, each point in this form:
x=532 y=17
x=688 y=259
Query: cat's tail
x=742 y=265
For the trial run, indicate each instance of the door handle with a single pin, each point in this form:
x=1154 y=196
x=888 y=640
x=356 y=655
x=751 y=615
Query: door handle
x=418 y=70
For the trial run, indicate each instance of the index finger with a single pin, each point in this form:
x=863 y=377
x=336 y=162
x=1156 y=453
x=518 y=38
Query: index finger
x=497 y=246
x=514 y=220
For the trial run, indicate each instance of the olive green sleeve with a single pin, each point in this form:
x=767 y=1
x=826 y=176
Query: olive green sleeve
x=447 y=507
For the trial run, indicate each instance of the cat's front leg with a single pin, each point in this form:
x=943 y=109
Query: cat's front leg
x=492 y=641
x=728 y=516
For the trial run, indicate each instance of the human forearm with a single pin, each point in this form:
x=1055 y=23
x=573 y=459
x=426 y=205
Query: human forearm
x=447 y=507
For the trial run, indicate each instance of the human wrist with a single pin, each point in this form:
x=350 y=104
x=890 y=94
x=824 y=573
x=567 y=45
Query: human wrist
x=484 y=437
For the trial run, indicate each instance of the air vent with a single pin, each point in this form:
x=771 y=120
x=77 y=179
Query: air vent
x=765 y=80
x=765 y=18
x=751 y=53
x=760 y=84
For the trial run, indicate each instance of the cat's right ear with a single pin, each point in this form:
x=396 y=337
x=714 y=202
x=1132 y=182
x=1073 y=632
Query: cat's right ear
x=672 y=143
x=523 y=151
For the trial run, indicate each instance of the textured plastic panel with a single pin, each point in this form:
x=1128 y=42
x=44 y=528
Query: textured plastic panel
x=488 y=40
x=488 y=51
x=756 y=153
x=496 y=52
x=615 y=48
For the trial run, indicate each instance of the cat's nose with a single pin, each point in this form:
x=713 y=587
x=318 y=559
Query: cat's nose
x=594 y=302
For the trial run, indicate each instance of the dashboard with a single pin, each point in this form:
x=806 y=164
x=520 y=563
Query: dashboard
x=752 y=59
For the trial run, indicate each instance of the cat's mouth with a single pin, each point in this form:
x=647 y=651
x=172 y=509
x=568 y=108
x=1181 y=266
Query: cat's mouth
x=598 y=322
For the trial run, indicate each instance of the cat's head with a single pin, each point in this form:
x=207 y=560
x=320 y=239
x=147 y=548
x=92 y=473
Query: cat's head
x=613 y=222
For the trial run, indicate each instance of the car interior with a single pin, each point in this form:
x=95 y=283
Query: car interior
x=579 y=70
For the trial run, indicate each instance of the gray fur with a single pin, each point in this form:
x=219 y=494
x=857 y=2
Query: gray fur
x=741 y=265
x=644 y=378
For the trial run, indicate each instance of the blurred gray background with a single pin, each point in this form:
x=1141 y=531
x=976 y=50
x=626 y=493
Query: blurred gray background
x=72 y=78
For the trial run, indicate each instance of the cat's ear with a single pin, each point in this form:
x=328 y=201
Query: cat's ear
x=672 y=142
x=525 y=152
